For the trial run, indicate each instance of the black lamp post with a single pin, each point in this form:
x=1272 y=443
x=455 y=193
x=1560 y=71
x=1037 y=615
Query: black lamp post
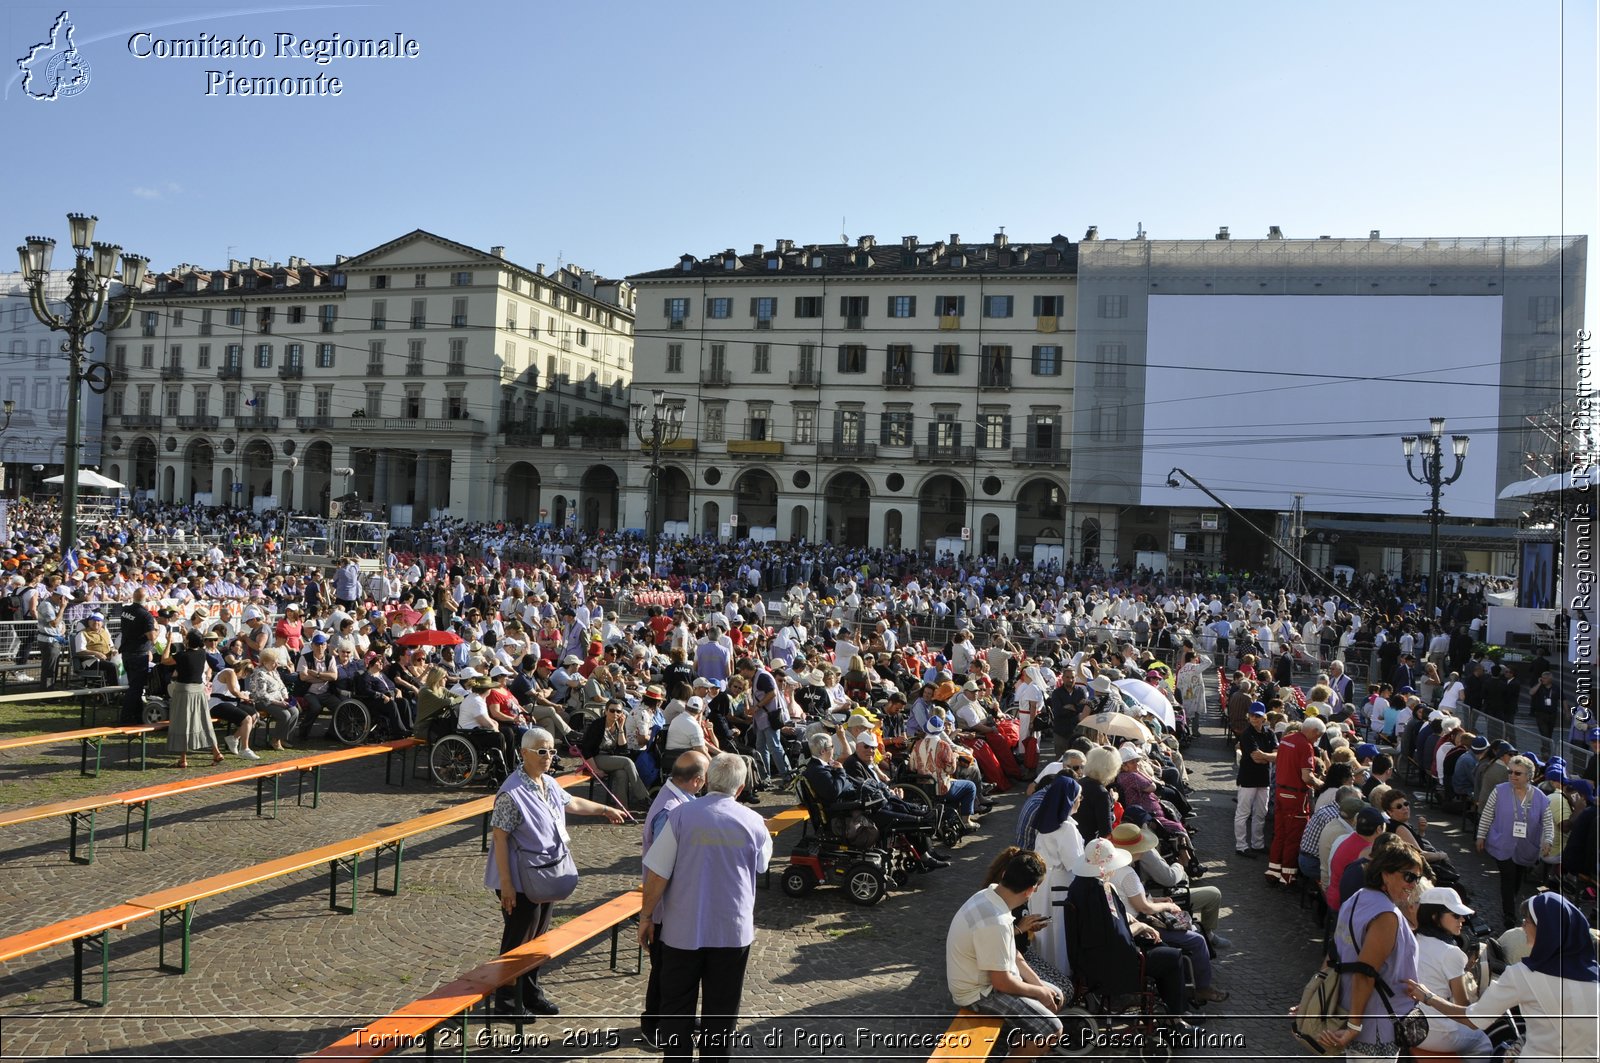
x=657 y=425
x=1434 y=479
x=89 y=283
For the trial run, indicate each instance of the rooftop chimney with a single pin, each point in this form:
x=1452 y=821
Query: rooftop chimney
x=1222 y=233
x=908 y=242
x=1274 y=233
x=1092 y=233
x=756 y=249
x=498 y=250
x=955 y=239
x=1001 y=240
x=1373 y=235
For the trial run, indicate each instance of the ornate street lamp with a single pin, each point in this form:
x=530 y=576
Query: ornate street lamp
x=657 y=425
x=93 y=269
x=1433 y=477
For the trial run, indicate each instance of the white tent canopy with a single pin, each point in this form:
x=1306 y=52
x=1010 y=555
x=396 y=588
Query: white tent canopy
x=1551 y=484
x=90 y=478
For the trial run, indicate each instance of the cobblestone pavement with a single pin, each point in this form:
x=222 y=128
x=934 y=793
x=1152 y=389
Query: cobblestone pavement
x=276 y=975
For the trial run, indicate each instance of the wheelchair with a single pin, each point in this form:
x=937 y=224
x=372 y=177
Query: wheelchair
x=921 y=790
x=457 y=758
x=351 y=722
x=1138 y=1020
x=824 y=856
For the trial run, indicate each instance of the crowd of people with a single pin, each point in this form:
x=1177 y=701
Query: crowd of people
x=909 y=687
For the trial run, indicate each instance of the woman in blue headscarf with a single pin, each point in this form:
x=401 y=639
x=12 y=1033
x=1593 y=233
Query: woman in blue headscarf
x=1060 y=846
x=1557 y=986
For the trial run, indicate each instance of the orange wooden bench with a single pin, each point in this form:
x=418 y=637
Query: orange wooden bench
x=84 y=931
x=92 y=738
x=81 y=812
x=970 y=1036
x=418 y=1022
x=342 y=858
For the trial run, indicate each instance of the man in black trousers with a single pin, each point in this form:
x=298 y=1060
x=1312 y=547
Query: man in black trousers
x=137 y=628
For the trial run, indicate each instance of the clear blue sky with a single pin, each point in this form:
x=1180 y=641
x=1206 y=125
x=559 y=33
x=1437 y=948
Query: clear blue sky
x=621 y=135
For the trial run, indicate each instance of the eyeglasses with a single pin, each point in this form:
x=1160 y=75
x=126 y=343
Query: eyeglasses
x=1401 y=804
x=543 y=751
x=1411 y=877
x=1516 y=771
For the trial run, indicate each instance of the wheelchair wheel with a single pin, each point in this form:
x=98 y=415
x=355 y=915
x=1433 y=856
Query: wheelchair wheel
x=917 y=795
x=155 y=710
x=798 y=881
x=453 y=761
x=351 y=722
x=865 y=884
x=1079 y=1034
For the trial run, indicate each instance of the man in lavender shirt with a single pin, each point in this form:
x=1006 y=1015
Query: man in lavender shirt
x=701 y=869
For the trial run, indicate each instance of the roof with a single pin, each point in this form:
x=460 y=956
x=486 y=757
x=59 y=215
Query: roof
x=1555 y=483
x=1417 y=529
x=867 y=257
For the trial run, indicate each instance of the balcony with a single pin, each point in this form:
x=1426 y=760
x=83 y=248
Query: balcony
x=755 y=448
x=414 y=369
x=804 y=378
x=715 y=378
x=56 y=418
x=991 y=379
x=230 y=372
x=256 y=423
x=456 y=369
x=1039 y=455
x=313 y=424
x=293 y=371
x=898 y=378
x=837 y=451
x=429 y=425
x=172 y=372
x=374 y=368
x=199 y=422
x=945 y=454
x=141 y=420
x=118 y=374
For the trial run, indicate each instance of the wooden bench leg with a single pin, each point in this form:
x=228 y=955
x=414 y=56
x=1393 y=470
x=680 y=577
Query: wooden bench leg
x=353 y=866
x=261 y=785
x=76 y=819
x=83 y=760
x=389 y=765
x=167 y=915
x=144 y=832
x=399 y=848
x=484 y=844
x=102 y=941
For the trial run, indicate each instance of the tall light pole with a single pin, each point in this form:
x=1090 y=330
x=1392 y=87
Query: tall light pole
x=94 y=268
x=1434 y=479
x=657 y=425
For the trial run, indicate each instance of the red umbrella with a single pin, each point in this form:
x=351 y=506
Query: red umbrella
x=429 y=637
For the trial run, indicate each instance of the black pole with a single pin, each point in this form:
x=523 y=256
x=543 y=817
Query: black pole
x=1436 y=483
x=1251 y=525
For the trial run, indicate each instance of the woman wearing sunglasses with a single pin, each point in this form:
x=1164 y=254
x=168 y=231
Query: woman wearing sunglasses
x=1517 y=829
x=530 y=859
x=1372 y=931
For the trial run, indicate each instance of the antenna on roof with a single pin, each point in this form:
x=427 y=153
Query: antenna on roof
x=560 y=256
x=1140 y=234
x=844 y=237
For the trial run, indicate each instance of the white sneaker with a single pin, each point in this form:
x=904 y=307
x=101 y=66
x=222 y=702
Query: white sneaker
x=232 y=742
x=249 y=754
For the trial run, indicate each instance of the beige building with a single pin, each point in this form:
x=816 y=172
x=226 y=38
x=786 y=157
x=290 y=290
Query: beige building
x=443 y=377
x=891 y=395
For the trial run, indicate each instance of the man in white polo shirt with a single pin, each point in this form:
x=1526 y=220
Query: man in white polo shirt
x=984 y=971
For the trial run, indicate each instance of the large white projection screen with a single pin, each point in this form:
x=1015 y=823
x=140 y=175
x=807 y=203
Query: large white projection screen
x=1262 y=397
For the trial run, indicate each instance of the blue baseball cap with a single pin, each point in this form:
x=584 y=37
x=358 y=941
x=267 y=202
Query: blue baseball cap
x=1256 y=709
x=1366 y=751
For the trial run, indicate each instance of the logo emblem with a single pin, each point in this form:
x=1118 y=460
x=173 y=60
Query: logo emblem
x=54 y=69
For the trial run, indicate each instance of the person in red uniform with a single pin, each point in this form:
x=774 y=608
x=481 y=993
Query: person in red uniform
x=1299 y=776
